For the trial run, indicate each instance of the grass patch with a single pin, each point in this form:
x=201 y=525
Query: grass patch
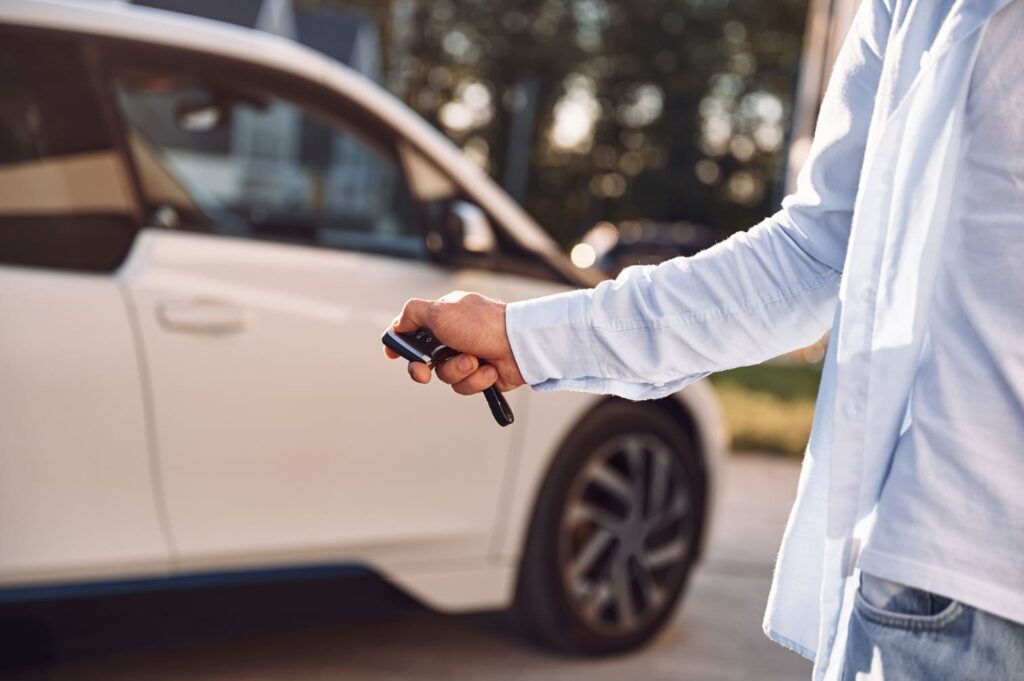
x=769 y=407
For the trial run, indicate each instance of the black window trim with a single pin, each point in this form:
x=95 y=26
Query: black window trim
x=116 y=125
x=83 y=44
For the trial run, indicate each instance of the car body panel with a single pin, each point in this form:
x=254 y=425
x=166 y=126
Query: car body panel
x=72 y=383
x=290 y=431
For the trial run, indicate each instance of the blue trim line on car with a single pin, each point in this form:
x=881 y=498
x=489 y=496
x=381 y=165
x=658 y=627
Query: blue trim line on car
x=187 y=581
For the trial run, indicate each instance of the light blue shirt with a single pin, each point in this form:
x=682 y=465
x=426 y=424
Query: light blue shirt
x=857 y=246
x=950 y=519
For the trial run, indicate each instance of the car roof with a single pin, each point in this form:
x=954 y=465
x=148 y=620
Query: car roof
x=156 y=26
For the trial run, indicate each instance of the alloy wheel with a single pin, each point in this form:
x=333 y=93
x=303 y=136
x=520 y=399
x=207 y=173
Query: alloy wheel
x=625 y=532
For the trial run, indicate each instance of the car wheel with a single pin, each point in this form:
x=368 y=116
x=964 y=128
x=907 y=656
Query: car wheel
x=614 y=532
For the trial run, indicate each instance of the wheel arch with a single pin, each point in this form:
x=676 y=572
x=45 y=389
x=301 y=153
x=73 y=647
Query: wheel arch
x=695 y=409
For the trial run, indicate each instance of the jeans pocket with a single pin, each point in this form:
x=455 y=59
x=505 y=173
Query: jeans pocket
x=907 y=608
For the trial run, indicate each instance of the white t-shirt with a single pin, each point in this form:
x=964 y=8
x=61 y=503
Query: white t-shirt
x=951 y=515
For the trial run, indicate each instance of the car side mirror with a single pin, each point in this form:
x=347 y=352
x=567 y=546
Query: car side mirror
x=464 y=236
x=471 y=228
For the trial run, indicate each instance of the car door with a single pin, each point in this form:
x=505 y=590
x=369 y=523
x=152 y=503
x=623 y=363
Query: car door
x=77 y=479
x=291 y=239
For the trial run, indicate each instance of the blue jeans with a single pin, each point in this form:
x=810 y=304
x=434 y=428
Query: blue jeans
x=898 y=633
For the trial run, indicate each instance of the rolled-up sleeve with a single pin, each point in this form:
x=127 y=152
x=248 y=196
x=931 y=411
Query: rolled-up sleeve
x=754 y=296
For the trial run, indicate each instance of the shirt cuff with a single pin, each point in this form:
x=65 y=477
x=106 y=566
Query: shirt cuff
x=551 y=339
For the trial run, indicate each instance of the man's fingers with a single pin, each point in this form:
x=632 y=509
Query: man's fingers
x=415 y=314
x=480 y=380
x=419 y=372
x=457 y=368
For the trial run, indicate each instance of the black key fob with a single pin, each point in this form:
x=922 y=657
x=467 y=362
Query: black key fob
x=421 y=346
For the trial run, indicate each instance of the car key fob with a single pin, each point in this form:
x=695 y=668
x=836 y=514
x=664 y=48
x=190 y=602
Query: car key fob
x=421 y=346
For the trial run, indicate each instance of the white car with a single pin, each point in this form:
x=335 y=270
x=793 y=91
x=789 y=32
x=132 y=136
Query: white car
x=204 y=230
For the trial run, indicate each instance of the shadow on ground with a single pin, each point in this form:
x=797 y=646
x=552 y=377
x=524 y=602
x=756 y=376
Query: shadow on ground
x=254 y=625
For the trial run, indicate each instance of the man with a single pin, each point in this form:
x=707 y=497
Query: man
x=904 y=554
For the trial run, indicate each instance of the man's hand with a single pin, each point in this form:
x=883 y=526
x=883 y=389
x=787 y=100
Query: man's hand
x=473 y=325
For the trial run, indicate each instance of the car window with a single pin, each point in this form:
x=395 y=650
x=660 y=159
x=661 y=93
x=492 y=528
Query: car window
x=237 y=160
x=66 y=197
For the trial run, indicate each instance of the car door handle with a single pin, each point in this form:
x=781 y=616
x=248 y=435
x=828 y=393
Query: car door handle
x=201 y=316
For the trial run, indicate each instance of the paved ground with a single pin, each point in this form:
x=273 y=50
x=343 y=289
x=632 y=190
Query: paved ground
x=362 y=629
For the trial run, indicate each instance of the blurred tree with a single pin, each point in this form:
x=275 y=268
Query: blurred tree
x=592 y=110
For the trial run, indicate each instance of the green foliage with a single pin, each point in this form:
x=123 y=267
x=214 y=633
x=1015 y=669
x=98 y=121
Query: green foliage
x=769 y=407
x=789 y=382
x=686 y=101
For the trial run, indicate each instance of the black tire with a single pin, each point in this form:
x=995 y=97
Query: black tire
x=572 y=577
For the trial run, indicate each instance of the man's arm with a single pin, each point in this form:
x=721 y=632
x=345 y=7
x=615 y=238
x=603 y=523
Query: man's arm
x=754 y=296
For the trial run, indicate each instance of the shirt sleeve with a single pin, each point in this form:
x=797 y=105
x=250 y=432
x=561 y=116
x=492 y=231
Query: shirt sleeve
x=754 y=296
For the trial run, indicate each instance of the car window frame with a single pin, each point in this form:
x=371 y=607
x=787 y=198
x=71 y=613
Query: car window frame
x=308 y=95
